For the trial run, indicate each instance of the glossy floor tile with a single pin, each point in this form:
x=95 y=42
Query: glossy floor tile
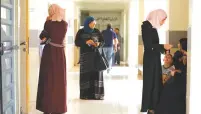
x=122 y=94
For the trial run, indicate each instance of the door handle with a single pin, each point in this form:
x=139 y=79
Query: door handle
x=7 y=48
x=10 y=48
x=23 y=43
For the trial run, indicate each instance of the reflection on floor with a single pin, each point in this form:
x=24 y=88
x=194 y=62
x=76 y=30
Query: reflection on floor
x=122 y=94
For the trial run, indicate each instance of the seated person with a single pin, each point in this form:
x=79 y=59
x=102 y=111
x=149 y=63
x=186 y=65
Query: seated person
x=167 y=68
x=179 y=53
x=173 y=95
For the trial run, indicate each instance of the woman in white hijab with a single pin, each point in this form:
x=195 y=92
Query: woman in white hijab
x=152 y=82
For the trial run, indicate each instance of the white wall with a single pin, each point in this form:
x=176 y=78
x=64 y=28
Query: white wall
x=194 y=56
x=38 y=11
x=133 y=22
x=94 y=6
x=178 y=23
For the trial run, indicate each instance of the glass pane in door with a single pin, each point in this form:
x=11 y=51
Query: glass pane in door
x=5 y=13
x=6 y=30
x=6 y=1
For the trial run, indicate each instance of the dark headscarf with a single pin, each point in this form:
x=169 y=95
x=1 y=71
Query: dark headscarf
x=87 y=21
x=177 y=55
x=183 y=43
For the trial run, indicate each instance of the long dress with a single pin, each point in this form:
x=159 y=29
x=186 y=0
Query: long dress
x=152 y=72
x=51 y=96
x=91 y=82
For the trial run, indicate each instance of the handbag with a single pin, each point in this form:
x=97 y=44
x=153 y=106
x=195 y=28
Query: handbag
x=93 y=61
x=100 y=62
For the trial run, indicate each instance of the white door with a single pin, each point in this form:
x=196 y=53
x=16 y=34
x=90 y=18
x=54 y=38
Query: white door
x=7 y=50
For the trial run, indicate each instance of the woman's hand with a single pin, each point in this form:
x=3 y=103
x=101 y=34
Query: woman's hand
x=179 y=71
x=97 y=44
x=184 y=52
x=115 y=48
x=173 y=72
x=48 y=18
x=90 y=42
x=43 y=40
x=184 y=60
x=167 y=46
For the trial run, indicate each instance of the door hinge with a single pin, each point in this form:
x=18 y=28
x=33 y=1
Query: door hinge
x=1 y=49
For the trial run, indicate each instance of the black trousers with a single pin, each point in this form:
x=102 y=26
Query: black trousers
x=117 y=57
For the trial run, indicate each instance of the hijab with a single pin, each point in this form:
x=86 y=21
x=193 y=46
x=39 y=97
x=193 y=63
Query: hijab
x=156 y=16
x=87 y=21
x=183 y=43
x=56 y=13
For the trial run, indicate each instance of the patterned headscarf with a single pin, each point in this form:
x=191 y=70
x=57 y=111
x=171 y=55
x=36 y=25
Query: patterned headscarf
x=156 y=16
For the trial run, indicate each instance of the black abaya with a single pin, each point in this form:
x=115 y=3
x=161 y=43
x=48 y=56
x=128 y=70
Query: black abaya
x=152 y=72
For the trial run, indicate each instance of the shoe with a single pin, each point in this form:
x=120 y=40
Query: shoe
x=150 y=112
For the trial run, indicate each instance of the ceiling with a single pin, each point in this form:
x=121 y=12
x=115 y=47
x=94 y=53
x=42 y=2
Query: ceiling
x=102 y=5
x=103 y=1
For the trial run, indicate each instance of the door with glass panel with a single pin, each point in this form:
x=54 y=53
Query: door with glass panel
x=7 y=53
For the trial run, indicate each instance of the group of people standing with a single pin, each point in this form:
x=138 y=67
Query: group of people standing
x=164 y=86
x=51 y=96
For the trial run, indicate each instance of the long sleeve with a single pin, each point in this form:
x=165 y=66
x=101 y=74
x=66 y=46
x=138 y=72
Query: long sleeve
x=66 y=26
x=147 y=35
x=80 y=42
x=45 y=32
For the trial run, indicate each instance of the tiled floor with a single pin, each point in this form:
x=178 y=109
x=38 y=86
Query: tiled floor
x=122 y=94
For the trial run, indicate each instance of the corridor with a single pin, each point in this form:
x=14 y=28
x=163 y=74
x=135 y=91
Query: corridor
x=20 y=52
x=119 y=87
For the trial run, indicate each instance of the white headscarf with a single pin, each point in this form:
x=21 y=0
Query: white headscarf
x=156 y=16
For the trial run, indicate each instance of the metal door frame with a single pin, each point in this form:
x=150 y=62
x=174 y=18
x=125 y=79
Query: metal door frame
x=1 y=95
x=2 y=49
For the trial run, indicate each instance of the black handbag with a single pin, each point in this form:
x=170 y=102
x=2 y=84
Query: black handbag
x=100 y=62
x=93 y=61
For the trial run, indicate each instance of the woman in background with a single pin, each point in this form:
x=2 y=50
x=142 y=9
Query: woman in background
x=91 y=82
x=178 y=55
x=152 y=72
x=51 y=96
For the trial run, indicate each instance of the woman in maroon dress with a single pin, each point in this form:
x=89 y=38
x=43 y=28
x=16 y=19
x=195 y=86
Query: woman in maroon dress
x=51 y=96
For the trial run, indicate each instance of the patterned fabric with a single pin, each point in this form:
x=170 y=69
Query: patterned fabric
x=87 y=62
x=166 y=73
x=91 y=85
